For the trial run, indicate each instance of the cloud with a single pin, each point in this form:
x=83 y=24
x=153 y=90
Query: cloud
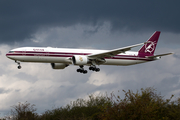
x=40 y=85
x=176 y=55
x=101 y=78
x=78 y=36
x=3 y=91
x=73 y=36
x=20 y=19
x=85 y=24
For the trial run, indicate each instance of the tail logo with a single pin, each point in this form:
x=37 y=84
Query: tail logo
x=150 y=47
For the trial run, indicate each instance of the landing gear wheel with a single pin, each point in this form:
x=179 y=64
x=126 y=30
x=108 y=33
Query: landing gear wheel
x=94 y=68
x=97 y=69
x=19 y=67
x=85 y=71
x=90 y=68
x=81 y=69
x=78 y=70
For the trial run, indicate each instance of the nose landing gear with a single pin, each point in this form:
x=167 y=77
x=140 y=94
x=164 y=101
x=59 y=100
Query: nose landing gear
x=19 y=65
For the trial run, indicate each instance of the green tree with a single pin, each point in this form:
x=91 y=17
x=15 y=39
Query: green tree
x=81 y=109
x=24 y=111
x=144 y=105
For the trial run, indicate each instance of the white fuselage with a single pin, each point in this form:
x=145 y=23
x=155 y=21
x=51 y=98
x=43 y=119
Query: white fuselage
x=64 y=55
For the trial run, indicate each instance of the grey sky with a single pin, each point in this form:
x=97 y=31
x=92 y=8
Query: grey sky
x=100 y=24
x=20 y=19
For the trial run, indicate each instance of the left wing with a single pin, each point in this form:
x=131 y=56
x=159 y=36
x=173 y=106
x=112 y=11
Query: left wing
x=113 y=52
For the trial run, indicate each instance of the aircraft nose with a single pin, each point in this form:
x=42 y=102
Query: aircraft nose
x=8 y=56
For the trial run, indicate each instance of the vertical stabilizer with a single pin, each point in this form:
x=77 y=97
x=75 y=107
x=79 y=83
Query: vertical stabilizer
x=149 y=48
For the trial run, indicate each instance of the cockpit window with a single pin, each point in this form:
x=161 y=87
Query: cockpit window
x=11 y=51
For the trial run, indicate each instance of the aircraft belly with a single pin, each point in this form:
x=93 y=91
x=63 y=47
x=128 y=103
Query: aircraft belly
x=44 y=59
x=122 y=62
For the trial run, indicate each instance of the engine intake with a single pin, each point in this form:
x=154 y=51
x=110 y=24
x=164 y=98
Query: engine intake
x=80 y=60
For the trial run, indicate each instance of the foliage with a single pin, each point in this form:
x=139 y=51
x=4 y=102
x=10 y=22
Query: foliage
x=24 y=111
x=80 y=109
x=145 y=104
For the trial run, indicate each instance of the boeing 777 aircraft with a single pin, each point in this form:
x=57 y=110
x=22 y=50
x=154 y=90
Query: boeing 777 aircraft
x=59 y=58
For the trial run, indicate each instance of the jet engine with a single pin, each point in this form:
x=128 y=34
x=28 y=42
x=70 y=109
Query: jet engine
x=80 y=60
x=58 y=65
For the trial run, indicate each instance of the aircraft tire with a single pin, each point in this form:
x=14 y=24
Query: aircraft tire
x=93 y=69
x=78 y=70
x=85 y=71
x=97 y=69
x=90 y=68
x=19 y=67
x=81 y=71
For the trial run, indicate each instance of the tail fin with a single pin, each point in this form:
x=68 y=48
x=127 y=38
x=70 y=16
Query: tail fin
x=150 y=46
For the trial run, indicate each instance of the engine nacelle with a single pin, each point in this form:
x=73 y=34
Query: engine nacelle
x=58 y=65
x=80 y=60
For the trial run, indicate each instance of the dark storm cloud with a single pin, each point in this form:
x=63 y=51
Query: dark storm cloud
x=20 y=19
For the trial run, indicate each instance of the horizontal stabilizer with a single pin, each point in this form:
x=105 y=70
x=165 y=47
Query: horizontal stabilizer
x=159 y=55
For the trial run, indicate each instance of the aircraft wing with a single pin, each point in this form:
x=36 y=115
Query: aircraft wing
x=113 y=52
x=159 y=55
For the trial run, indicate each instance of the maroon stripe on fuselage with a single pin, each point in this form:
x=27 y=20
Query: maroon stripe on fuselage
x=65 y=54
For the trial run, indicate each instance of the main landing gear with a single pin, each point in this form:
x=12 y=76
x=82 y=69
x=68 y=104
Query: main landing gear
x=81 y=69
x=19 y=65
x=92 y=67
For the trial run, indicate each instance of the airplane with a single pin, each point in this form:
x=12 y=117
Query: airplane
x=60 y=58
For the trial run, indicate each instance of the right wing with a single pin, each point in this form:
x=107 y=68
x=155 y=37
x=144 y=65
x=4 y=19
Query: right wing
x=113 y=52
